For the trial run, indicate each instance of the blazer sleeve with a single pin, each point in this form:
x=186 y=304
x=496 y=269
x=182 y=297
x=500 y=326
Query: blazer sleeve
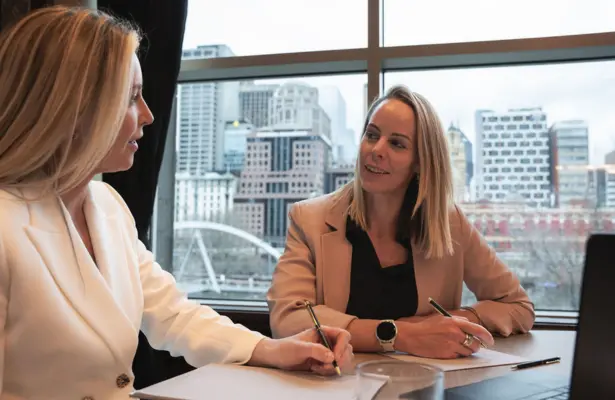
x=176 y=324
x=502 y=306
x=181 y=326
x=4 y=303
x=294 y=280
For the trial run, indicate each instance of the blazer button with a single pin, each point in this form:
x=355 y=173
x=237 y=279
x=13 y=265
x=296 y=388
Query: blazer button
x=122 y=381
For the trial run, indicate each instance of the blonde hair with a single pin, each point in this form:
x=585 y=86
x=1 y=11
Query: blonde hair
x=65 y=77
x=431 y=232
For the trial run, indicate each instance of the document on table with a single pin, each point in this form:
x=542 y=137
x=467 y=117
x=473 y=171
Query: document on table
x=241 y=382
x=481 y=359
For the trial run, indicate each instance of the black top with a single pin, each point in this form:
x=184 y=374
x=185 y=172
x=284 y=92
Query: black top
x=376 y=292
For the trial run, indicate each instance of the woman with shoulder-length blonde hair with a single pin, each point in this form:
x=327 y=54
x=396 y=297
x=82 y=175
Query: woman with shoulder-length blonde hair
x=76 y=284
x=371 y=254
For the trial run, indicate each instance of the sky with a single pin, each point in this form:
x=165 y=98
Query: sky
x=565 y=91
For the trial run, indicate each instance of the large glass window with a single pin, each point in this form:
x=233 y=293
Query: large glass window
x=530 y=124
x=246 y=151
x=252 y=27
x=411 y=22
x=538 y=230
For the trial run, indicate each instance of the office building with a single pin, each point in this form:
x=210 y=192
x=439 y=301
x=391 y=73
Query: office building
x=203 y=109
x=284 y=163
x=461 y=159
x=337 y=176
x=342 y=138
x=513 y=156
x=570 y=155
x=207 y=197
x=235 y=143
x=282 y=167
x=254 y=102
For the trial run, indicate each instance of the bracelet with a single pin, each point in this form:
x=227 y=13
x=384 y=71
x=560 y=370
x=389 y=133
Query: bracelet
x=473 y=311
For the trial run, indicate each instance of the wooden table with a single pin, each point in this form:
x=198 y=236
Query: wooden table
x=534 y=345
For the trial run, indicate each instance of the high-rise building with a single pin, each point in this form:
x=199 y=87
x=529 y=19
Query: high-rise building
x=461 y=159
x=284 y=163
x=282 y=166
x=342 y=138
x=295 y=106
x=609 y=158
x=235 y=143
x=513 y=156
x=570 y=155
x=202 y=110
x=204 y=197
x=337 y=176
x=254 y=103
x=602 y=182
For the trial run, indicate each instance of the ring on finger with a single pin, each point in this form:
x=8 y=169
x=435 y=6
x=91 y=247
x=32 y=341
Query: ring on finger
x=468 y=341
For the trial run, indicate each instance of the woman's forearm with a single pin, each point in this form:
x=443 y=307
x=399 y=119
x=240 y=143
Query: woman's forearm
x=363 y=332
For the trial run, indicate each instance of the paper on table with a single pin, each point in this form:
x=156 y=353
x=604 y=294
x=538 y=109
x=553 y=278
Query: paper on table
x=241 y=382
x=481 y=359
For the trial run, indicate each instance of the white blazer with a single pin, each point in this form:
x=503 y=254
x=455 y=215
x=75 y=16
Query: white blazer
x=68 y=327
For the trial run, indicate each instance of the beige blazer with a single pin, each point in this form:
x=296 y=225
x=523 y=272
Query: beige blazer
x=317 y=260
x=68 y=327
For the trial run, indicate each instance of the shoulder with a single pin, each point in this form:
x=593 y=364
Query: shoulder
x=318 y=204
x=460 y=227
x=319 y=207
x=108 y=199
x=312 y=216
x=13 y=208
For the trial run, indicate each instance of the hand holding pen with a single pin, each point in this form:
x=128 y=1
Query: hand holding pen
x=469 y=337
x=443 y=312
x=323 y=337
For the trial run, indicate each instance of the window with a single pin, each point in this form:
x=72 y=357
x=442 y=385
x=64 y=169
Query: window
x=478 y=20
x=272 y=27
x=270 y=129
x=224 y=165
x=502 y=98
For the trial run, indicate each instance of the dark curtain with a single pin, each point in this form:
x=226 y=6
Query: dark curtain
x=162 y=24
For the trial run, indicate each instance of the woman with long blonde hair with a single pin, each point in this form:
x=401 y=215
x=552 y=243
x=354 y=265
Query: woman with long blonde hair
x=372 y=254
x=76 y=284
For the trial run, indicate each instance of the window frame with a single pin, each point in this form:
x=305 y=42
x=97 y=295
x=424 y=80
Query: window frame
x=374 y=60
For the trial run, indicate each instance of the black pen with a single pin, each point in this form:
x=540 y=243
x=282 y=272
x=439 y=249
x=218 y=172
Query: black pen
x=537 y=363
x=445 y=313
x=323 y=337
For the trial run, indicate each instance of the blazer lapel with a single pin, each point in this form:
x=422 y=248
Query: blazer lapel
x=337 y=258
x=114 y=262
x=55 y=237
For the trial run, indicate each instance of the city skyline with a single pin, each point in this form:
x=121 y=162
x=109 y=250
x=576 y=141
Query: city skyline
x=543 y=245
x=564 y=91
x=235 y=92
x=577 y=99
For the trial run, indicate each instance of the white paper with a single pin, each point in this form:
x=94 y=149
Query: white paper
x=241 y=382
x=481 y=359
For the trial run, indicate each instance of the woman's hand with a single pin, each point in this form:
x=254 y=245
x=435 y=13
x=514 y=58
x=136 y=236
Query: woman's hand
x=304 y=351
x=440 y=337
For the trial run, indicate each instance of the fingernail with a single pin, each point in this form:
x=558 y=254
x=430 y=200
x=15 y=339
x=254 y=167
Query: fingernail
x=330 y=356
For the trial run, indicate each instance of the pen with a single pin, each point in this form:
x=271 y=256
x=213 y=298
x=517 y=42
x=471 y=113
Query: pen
x=445 y=313
x=537 y=363
x=308 y=306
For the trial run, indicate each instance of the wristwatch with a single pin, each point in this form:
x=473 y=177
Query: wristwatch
x=386 y=332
